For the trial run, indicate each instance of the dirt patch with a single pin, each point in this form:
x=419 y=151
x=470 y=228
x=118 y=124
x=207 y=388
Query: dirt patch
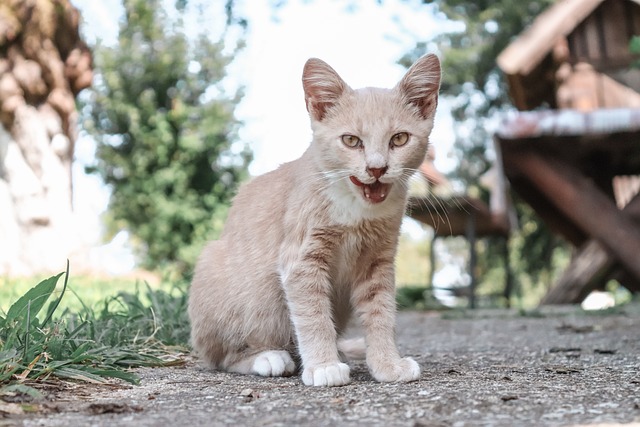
x=492 y=368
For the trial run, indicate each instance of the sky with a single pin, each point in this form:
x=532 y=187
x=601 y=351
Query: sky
x=361 y=40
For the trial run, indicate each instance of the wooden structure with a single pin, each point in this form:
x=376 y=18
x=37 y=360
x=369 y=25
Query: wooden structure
x=577 y=166
x=563 y=164
x=465 y=216
x=576 y=55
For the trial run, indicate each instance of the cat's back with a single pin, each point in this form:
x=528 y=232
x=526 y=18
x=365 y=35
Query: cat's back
x=249 y=243
x=261 y=204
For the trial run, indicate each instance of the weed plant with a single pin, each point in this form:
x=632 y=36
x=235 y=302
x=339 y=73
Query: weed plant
x=38 y=340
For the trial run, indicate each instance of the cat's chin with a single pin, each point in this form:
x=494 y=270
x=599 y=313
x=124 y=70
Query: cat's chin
x=375 y=193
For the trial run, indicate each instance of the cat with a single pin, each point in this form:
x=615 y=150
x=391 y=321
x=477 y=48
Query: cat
x=308 y=244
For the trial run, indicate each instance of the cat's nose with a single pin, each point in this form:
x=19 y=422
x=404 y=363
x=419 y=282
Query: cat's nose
x=376 y=172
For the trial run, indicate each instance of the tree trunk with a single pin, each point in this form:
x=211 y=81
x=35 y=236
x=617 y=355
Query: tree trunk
x=44 y=64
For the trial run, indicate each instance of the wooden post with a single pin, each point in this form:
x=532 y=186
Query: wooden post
x=585 y=272
x=589 y=268
x=432 y=260
x=471 y=237
x=508 y=277
x=582 y=202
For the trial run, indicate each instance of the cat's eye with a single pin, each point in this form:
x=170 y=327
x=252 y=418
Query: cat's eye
x=399 y=139
x=351 y=141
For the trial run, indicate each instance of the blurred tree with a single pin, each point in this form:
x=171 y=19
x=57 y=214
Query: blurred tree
x=471 y=75
x=166 y=131
x=478 y=92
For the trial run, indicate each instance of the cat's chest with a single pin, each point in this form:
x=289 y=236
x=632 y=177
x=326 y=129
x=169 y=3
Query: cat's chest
x=352 y=256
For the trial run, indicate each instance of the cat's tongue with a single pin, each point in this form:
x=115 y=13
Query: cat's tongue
x=374 y=193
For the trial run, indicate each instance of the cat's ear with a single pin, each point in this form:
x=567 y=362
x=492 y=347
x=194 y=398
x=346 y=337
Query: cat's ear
x=322 y=87
x=421 y=84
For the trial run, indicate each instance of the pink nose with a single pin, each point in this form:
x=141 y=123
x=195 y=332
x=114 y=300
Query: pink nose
x=376 y=172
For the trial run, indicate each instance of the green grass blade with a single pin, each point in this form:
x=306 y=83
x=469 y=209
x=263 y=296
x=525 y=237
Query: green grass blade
x=79 y=375
x=8 y=355
x=113 y=373
x=80 y=351
x=26 y=332
x=36 y=297
x=57 y=303
x=9 y=364
x=22 y=389
x=131 y=329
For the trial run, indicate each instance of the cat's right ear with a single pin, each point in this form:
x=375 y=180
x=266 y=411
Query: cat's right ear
x=421 y=84
x=322 y=87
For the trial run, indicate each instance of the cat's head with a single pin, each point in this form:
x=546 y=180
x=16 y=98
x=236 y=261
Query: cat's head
x=371 y=140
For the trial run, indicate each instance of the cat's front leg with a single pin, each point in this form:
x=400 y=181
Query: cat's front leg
x=308 y=297
x=308 y=291
x=375 y=303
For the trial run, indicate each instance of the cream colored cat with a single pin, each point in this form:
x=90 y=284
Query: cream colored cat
x=313 y=241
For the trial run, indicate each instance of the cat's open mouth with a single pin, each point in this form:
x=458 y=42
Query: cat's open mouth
x=374 y=193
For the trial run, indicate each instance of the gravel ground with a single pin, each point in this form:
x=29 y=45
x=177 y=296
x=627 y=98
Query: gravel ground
x=489 y=368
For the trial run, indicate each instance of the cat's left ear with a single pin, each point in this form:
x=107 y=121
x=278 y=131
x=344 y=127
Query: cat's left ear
x=421 y=84
x=322 y=87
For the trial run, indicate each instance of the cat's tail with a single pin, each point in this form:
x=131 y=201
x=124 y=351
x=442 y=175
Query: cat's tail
x=352 y=349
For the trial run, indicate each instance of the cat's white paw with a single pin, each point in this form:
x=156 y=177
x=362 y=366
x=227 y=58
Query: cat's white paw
x=330 y=375
x=276 y=363
x=401 y=370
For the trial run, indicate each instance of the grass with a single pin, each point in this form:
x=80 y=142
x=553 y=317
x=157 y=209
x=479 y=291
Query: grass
x=82 y=290
x=42 y=337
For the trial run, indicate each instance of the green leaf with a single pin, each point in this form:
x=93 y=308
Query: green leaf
x=8 y=355
x=22 y=389
x=113 y=373
x=57 y=302
x=81 y=351
x=9 y=364
x=76 y=332
x=79 y=374
x=33 y=300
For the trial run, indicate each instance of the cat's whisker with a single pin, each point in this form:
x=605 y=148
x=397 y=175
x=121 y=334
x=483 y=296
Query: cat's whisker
x=460 y=205
x=332 y=178
x=329 y=176
x=433 y=200
x=425 y=202
x=428 y=202
x=409 y=174
x=431 y=203
x=322 y=174
x=444 y=217
x=337 y=173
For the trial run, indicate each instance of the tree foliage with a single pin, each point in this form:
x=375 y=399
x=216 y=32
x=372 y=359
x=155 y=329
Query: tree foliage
x=165 y=129
x=470 y=73
x=479 y=94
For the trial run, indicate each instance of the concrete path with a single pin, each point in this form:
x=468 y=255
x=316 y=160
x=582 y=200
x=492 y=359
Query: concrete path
x=489 y=369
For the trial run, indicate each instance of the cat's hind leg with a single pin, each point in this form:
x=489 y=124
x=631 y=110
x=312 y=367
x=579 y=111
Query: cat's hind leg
x=352 y=348
x=270 y=363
